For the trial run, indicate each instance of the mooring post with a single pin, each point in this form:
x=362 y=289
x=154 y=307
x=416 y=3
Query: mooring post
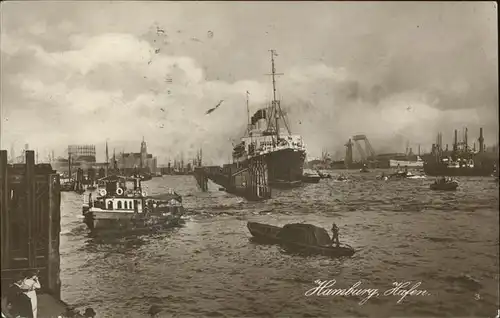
x=54 y=229
x=30 y=205
x=4 y=209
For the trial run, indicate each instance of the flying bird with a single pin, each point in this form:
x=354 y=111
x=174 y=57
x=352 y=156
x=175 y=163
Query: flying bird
x=216 y=106
x=162 y=109
x=159 y=31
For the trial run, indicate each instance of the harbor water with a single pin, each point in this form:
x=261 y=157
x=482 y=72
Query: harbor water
x=402 y=231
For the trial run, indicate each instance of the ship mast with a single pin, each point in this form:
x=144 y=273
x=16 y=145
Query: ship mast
x=69 y=163
x=248 y=115
x=275 y=102
x=107 y=158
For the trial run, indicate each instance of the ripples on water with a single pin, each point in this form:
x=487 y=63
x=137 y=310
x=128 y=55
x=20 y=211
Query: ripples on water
x=402 y=231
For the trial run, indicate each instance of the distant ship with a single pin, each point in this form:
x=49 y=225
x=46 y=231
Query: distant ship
x=458 y=167
x=461 y=161
x=283 y=152
x=419 y=163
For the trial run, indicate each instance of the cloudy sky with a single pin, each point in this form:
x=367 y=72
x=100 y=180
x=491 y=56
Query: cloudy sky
x=84 y=72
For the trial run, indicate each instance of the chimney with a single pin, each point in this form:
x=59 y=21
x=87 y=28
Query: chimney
x=465 y=141
x=455 y=141
x=481 y=140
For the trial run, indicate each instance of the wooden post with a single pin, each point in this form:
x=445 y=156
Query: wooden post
x=259 y=188
x=4 y=209
x=30 y=205
x=54 y=229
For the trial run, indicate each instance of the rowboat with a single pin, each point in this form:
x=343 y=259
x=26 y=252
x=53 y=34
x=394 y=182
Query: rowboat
x=299 y=237
x=311 y=178
x=444 y=186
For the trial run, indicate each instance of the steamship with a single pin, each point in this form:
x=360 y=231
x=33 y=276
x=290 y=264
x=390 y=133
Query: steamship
x=461 y=161
x=283 y=152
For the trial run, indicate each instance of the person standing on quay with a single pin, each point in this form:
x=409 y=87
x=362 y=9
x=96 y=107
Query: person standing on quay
x=28 y=286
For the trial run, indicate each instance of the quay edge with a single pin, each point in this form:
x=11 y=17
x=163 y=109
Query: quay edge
x=37 y=247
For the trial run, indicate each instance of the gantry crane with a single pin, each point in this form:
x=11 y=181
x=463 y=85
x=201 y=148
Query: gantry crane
x=367 y=154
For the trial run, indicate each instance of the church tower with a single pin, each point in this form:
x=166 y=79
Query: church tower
x=144 y=153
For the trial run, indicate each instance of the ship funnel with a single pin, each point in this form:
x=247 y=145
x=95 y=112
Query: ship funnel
x=481 y=140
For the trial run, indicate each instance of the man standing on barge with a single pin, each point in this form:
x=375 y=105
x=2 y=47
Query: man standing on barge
x=335 y=235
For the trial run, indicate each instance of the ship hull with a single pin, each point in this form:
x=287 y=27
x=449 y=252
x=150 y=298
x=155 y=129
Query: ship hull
x=104 y=221
x=438 y=170
x=285 y=167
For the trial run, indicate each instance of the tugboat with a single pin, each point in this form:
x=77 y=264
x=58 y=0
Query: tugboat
x=444 y=184
x=123 y=205
x=364 y=169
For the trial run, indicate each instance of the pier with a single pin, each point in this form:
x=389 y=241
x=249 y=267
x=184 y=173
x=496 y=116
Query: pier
x=30 y=227
x=250 y=182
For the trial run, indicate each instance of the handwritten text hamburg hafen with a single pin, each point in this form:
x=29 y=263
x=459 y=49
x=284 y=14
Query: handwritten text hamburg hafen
x=399 y=289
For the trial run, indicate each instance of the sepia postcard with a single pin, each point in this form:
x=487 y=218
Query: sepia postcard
x=249 y=159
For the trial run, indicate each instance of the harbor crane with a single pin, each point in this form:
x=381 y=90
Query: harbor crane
x=367 y=154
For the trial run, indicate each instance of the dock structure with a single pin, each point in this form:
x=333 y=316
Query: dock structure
x=201 y=178
x=30 y=224
x=250 y=181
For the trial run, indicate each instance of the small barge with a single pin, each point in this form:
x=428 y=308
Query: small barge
x=311 y=177
x=299 y=237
